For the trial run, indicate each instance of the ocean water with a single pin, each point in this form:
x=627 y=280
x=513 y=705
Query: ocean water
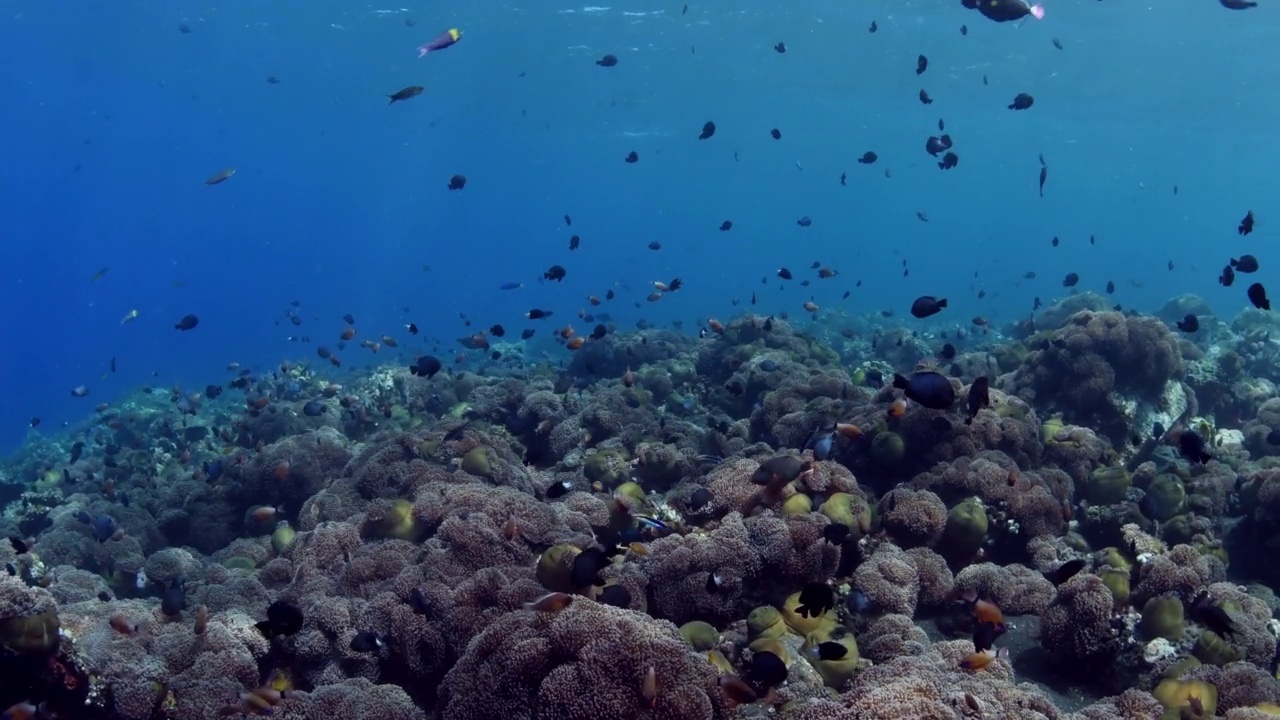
x=112 y=118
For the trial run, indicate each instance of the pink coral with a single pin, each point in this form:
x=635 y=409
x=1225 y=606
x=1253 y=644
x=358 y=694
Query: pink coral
x=889 y=579
x=1017 y=589
x=585 y=662
x=913 y=517
x=1076 y=628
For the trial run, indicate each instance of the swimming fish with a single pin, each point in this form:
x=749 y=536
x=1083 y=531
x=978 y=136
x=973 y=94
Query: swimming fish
x=441 y=41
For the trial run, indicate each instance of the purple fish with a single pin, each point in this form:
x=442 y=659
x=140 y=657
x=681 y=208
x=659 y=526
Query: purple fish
x=441 y=41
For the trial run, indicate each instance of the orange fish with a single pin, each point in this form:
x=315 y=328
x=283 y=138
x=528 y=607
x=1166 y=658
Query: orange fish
x=628 y=378
x=202 y=619
x=716 y=326
x=987 y=612
x=123 y=625
x=638 y=548
x=826 y=272
x=576 y=343
x=511 y=529
x=736 y=691
x=979 y=660
x=897 y=409
x=23 y=711
x=566 y=332
x=389 y=341
x=264 y=514
x=551 y=602
x=849 y=430
x=649 y=686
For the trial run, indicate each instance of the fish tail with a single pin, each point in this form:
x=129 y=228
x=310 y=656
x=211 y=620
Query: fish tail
x=423 y=50
x=1037 y=11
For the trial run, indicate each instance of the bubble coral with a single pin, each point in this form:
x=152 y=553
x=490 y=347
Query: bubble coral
x=29 y=620
x=913 y=517
x=584 y=662
x=1182 y=571
x=1016 y=589
x=889 y=579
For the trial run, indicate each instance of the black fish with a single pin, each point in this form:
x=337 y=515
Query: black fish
x=587 y=566
x=615 y=595
x=1246 y=225
x=780 y=468
x=1189 y=324
x=187 y=322
x=924 y=97
x=497 y=330
x=574 y=241
x=776 y=134
x=816 y=598
x=555 y=272
x=405 y=93
x=632 y=157
x=1044 y=175
x=984 y=638
x=873 y=27
x=283 y=619
x=979 y=397
x=1111 y=287
x=367 y=642
x=1246 y=264
x=1065 y=571
x=1258 y=296
x=766 y=670
x=922 y=64
x=930 y=389
x=1212 y=616
x=867 y=158
x=212 y=391
x=527 y=333
x=1021 y=101
x=536 y=314
x=949 y=161
x=726 y=226
x=1070 y=280
x=708 y=129
x=781 y=48
x=19 y=546
x=835 y=533
x=457 y=182
x=927 y=305
x=419 y=602
x=935 y=145
x=714 y=581
x=1191 y=447
x=558 y=489
x=349 y=319
x=607 y=61
x=784 y=273
x=831 y=651
x=315 y=408
x=1237 y=4
x=174 y=599
x=426 y=366
x=1227 y=277
x=948 y=352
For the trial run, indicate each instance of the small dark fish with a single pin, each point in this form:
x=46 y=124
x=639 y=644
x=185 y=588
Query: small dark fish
x=212 y=391
x=367 y=642
x=949 y=161
x=19 y=546
x=314 y=408
x=555 y=272
x=457 y=182
x=781 y=48
x=174 y=599
x=924 y=97
x=1057 y=43
x=816 y=598
x=873 y=27
x=948 y=352
x=103 y=527
x=726 y=226
x=964 y=29
x=497 y=331
x=1246 y=264
x=1111 y=287
x=1212 y=616
x=1021 y=101
x=615 y=595
x=830 y=651
x=1238 y=4
x=1065 y=571
x=607 y=61
x=708 y=129
x=1258 y=296
x=406 y=93
x=632 y=157
x=714 y=581
x=868 y=158
x=979 y=397
x=558 y=489
x=766 y=670
x=922 y=64
x=804 y=221
x=187 y=322
x=1055 y=241
x=776 y=134
x=1227 y=277
x=930 y=389
x=1191 y=447
x=33 y=422
x=784 y=273
x=426 y=366
x=536 y=314
x=283 y=619
x=574 y=242
x=1044 y=175
x=1246 y=225
x=927 y=305
x=835 y=533
x=935 y=145
x=568 y=221
x=655 y=245
x=527 y=333
x=1070 y=280
x=1189 y=324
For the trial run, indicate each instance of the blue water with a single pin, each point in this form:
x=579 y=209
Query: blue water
x=111 y=119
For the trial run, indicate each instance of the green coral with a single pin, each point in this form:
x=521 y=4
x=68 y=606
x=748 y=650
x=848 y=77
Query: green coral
x=555 y=567
x=1165 y=498
x=766 y=621
x=608 y=466
x=966 y=529
x=701 y=636
x=1117 y=581
x=852 y=511
x=1108 y=485
x=1163 y=617
x=476 y=462
x=1211 y=649
x=835 y=673
x=888 y=448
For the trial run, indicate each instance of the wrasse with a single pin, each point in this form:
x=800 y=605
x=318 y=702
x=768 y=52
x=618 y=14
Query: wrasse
x=441 y=41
